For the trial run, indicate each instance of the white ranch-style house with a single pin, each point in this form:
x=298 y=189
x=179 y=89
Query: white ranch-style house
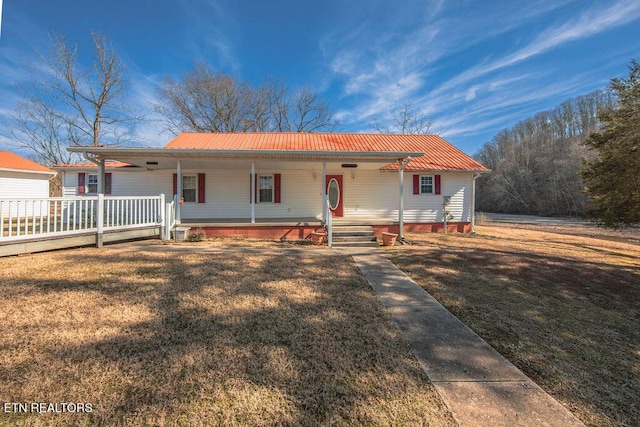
x=285 y=185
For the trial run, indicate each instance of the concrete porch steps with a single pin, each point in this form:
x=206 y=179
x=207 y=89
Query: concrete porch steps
x=351 y=236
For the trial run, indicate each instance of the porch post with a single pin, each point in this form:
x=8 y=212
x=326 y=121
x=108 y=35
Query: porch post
x=100 y=176
x=473 y=203
x=100 y=220
x=401 y=165
x=253 y=192
x=179 y=192
x=324 y=192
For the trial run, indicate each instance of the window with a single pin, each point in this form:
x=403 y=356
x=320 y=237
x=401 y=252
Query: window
x=92 y=183
x=426 y=184
x=189 y=188
x=265 y=188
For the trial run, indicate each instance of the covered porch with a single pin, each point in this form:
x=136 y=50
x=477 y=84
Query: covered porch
x=291 y=193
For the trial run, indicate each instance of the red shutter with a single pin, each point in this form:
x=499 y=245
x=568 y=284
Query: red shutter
x=437 y=184
x=276 y=188
x=255 y=195
x=107 y=183
x=416 y=184
x=175 y=184
x=201 y=188
x=81 y=178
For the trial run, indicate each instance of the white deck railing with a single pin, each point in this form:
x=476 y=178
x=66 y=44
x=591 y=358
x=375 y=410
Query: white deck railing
x=22 y=219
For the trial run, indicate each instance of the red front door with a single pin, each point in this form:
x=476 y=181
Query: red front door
x=334 y=191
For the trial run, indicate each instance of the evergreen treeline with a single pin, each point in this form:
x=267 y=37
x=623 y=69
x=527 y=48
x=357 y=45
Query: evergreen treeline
x=536 y=164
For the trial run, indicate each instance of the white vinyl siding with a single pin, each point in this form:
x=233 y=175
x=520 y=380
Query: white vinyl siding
x=362 y=197
x=19 y=185
x=366 y=193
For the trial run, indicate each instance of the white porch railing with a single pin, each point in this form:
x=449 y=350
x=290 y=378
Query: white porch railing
x=22 y=219
x=170 y=217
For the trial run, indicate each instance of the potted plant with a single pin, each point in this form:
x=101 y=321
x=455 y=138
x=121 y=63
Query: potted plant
x=317 y=237
x=389 y=239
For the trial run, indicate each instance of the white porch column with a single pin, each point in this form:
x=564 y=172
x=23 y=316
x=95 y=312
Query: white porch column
x=324 y=192
x=401 y=165
x=101 y=178
x=253 y=192
x=179 y=192
x=473 y=203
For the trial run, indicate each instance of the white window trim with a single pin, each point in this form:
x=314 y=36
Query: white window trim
x=195 y=177
x=433 y=184
x=273 y=185
x=86 y=184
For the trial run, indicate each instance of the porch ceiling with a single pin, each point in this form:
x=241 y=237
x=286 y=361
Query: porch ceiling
x=230 y=159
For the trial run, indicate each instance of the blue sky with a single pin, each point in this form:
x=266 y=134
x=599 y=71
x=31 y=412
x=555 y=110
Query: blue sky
x=476 y=67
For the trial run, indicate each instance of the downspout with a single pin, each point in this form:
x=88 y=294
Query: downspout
x=402 y=163
x=473 y=203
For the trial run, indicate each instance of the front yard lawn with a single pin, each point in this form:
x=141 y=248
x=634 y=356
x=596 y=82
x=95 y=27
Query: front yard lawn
x=563 y=308
x=176 y=338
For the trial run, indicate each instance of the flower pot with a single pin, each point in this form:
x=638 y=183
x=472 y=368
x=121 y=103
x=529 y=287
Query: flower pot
x=318 y=238
x=389 y=239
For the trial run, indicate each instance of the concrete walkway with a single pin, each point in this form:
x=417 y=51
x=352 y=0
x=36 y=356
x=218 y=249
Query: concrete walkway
x=479 y=385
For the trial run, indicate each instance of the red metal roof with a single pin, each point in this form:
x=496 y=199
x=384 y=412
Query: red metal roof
x=9 y=160
x=107 y=164
x=439 y=154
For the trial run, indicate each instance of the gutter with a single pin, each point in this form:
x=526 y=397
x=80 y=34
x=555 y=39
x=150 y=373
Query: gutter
x=28 y=171
x=174 y=152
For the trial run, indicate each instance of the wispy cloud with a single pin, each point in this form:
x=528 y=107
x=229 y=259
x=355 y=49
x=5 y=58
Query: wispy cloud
x=397 y=68
x=208 y=35
x=587 y=24
x=476 y=94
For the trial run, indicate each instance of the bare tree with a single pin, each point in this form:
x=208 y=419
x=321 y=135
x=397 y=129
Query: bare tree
x=303 y=111
x=311 y=114
x=535 y=164
x=40 y=129
x=204 y=101
x=70 y=105
x=406 y=119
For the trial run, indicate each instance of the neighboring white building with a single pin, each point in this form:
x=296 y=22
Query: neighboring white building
x=289 y=175
x=21 y=178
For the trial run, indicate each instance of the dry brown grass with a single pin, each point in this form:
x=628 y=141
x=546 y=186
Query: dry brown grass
x=563 y=308
x=175 y=338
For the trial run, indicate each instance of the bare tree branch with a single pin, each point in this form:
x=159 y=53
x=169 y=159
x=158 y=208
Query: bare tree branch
x=68 y=105
x=207 y=102
x=406 y=120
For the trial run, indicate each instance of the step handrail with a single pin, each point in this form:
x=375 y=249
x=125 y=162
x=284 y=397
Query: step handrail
x=329 y=223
